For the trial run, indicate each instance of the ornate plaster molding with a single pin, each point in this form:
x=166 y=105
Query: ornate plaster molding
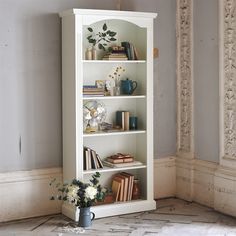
x=184 y=76
x=229 y=79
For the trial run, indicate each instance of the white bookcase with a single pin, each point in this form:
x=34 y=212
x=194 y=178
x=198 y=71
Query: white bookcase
x=135 y=27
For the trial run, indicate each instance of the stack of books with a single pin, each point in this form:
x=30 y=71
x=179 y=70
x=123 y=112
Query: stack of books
x=122 y=120
x=92 y=90
x=117 y=53
x=121 y=160
x=122 y=186
x=91 y=159
x=131 y=51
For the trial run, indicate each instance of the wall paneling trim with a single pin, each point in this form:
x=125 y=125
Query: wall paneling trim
x=184 y=78
x=227 y=35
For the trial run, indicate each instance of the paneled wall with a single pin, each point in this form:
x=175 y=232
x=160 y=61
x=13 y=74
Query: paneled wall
x=206 y=79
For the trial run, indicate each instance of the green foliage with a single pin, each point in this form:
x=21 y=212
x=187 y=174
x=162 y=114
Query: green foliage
x=79 y=193
x=101 y=38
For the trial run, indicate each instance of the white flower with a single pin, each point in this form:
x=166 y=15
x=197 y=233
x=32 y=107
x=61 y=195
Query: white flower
x=72 y=193
x=90 y=192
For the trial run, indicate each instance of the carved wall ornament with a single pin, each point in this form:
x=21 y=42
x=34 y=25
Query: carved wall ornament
x=184 y=74
x=229 y=78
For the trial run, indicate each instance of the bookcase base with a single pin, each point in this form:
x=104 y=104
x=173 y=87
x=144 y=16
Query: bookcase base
x=113 y=209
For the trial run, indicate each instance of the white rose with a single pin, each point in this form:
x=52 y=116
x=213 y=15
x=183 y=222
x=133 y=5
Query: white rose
x=72 y=194
x=90 y=192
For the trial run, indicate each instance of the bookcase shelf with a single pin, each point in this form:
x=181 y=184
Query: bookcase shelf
x=114 y=61
x=115 y=97
x=136 y=30
x=112 y=133
x=114 y=169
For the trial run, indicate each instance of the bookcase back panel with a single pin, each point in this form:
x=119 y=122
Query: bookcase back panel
x=125 y=32
x=136 y=107
x=105 y=72
x=106 y=146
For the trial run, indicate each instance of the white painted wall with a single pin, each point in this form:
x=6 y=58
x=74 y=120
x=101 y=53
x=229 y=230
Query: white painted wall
x=206 y=80
x=30 y=79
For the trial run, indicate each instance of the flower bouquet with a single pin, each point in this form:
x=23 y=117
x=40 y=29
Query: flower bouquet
x=81 y=194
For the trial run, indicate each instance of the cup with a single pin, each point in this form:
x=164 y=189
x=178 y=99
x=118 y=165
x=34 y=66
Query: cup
x=133 y=122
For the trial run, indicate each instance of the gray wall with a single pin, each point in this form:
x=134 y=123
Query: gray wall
x=206 y=80
x=30 y=79
x=164 y=72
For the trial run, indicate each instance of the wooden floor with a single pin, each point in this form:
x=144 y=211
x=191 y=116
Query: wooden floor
x=173 y=217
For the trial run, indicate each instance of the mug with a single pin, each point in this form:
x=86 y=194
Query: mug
x=133 y=122
x=128 y=86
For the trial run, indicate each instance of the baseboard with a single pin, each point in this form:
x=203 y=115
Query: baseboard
x=27 y=194
x=206 y=183
x=164 y=177
x=225 y=190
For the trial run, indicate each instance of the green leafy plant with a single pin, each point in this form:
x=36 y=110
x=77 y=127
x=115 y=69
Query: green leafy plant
x=80 y=194
x=102 y=38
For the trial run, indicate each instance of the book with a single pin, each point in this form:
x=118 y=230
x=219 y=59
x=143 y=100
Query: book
x=94 y=162
x=120 y=119
x=88 y=159
x=115 y=187
x=126 y=45
x=120 y=158
x=123 y=164
x=85 y=167
x=126 y=186
x=115 y=56
x=130 y=185
x=121 y=181
x=99 y=161
x=126 y=120
x=136 y=54
x=132 y=51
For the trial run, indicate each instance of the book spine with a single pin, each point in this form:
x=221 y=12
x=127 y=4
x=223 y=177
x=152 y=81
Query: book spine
x=99 y=161
x=126 y=45
x=120 y=119
x=126 y=120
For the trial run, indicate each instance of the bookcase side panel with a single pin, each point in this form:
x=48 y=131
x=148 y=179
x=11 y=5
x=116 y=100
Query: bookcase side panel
x=69 y=97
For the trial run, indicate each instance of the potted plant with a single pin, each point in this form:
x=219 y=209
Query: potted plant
x=101 y=38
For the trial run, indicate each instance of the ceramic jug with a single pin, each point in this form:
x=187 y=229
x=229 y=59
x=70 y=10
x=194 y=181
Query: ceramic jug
x=85 y=217
x=128 y=86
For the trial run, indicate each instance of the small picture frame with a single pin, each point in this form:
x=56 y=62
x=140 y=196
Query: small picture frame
x=100 y=83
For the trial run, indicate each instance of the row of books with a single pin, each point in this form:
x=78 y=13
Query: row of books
x=92 y=90
x=122 y=119
x=131 y=51
x=91 y=159
x=122 y=186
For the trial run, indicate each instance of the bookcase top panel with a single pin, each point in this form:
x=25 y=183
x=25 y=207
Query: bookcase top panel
x=77 y=11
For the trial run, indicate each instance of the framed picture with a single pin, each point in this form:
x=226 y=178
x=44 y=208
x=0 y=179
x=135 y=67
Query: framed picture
x=100 y=83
